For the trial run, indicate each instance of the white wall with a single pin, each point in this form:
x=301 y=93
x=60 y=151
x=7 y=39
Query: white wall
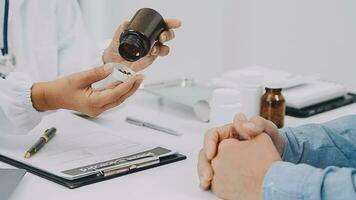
x=302 y=36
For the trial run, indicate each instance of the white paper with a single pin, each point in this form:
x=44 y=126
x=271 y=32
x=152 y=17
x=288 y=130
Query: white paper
x=78 y=142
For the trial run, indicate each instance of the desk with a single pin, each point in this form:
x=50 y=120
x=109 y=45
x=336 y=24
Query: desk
x=175 y=181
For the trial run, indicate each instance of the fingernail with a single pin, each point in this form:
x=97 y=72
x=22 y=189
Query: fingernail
x=202 y=186
x=206 y=175
x=250 y=126
x=154 y=51
x=140 y=78
x=163 y=38
x=241 y=117
x=209 y=154
x=108 y=67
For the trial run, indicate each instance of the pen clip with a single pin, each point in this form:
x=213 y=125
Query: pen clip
x=135 y=122
x=148 y=161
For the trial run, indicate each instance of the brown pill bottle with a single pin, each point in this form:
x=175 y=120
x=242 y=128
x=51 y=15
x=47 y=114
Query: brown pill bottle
x=273 y=106
x=141 y=34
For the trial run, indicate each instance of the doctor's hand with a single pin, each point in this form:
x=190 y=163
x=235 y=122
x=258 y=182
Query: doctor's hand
x=74 y=92
x=240 y=167
x=111 y=54
x=240 y=129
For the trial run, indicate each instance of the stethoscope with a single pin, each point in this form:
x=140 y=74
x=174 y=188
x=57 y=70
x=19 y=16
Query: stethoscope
x=5 y=48
x=7 y=61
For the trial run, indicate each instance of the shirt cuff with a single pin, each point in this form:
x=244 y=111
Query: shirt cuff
x=286 y=181
x=22 y=113
x=292 y=150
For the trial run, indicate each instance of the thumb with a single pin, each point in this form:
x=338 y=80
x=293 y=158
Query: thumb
x=116 y=39
x=239 y=121
x=91 y=76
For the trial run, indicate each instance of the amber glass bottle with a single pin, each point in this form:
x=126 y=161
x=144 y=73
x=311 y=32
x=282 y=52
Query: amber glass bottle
x=141 y=34
x=273 y=106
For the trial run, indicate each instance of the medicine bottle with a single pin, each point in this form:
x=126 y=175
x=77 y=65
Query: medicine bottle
x=142 y=33
x=273 y=106
x=225 y=104
x=250 y=85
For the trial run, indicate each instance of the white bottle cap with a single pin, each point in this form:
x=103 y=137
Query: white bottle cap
x=251 y=78
x=225 y=96
x=121 y=72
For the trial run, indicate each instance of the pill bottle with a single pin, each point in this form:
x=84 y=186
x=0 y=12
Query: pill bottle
x=273 y=106
x=224 y=105
x=250 y=84
x=141 y=34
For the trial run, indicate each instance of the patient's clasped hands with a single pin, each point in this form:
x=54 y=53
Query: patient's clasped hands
x=236 y=157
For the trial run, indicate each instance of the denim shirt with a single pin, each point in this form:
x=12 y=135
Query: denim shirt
x=319 y=162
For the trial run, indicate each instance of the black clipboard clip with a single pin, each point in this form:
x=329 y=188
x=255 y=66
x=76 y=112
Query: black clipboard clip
x=135 y=163
x=132 y=163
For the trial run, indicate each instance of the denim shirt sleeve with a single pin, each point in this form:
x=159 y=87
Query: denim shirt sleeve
x=313 y=157
x=288 y=181
x=321 y=145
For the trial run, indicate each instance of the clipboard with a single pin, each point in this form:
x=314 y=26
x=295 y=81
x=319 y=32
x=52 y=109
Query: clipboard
x=95 y=178
x=83 y=155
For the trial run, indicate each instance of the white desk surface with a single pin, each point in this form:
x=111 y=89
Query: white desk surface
x=174 y=181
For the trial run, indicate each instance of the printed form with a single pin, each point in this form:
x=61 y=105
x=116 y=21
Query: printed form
x=78 y=143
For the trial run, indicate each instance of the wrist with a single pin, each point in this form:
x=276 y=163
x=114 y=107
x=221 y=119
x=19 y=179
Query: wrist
x=42 y=98
x=38 y=97
x=281 y=144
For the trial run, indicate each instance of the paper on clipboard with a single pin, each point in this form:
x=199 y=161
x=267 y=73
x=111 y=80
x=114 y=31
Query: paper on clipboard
x=78 y=143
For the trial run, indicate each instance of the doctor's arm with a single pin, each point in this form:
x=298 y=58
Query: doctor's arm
x=75 y=92
x=23 y=101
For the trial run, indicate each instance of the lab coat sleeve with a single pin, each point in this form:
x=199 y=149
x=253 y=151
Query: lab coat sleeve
x=77 y=49
x=15 y=101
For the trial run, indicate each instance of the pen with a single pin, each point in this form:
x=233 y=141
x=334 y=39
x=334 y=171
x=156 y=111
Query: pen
x=45 y=138
x=138 y=122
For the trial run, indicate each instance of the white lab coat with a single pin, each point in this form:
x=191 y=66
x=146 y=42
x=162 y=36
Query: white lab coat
x=48 y=39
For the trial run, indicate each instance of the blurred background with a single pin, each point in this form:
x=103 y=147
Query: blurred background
x=304 y=36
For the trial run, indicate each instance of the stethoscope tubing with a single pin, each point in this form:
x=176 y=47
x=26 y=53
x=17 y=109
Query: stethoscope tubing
x=5 y=48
